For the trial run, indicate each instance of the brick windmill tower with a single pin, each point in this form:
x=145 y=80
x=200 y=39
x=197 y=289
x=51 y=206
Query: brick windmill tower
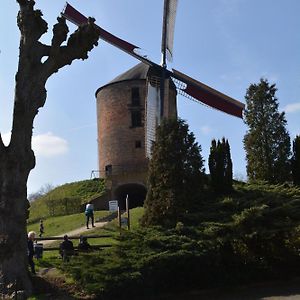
x=123 y=130
x=130 y=107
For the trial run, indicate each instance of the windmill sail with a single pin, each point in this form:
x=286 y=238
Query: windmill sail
x=186 y=85
x=74 y=16
x=170 y=8
x=208 y=95
x=152 y=116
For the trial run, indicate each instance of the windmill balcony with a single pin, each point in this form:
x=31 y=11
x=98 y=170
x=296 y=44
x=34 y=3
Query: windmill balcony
x=116 y=170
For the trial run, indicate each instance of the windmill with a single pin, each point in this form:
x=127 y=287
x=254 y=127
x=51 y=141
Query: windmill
x=186 y=86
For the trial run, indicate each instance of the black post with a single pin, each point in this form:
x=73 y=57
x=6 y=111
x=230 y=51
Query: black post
x=119 y=217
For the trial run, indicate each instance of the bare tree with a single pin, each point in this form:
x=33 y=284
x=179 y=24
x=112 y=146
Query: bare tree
x=45 y=189
x=37 y=62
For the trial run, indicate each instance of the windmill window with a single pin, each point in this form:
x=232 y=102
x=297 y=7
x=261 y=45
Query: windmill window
x=135 y=96
x=108 y=170
x=136 y=119
x=138 y=144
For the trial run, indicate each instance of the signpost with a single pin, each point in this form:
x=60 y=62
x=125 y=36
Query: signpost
x=113 y=205
x=127 y=210
x=124 y=220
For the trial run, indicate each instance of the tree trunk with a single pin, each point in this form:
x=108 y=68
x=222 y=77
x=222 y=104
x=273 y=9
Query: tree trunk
x=17 y=159
x=13 y=214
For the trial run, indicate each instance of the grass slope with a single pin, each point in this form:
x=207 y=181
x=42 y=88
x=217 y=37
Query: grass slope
x=54 y=202
x=62 y=224
x=251 y=235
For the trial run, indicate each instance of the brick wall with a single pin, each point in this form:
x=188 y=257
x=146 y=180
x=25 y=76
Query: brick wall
x=116 y=137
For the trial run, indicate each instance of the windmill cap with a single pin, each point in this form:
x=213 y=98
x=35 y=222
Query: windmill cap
x=138 y=72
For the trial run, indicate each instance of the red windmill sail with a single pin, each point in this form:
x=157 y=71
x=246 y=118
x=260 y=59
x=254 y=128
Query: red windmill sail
x=209 y=96
x=74 y=16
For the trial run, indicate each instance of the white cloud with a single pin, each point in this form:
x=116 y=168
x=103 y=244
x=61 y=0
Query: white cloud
x=49 y=145
x=46 y=144
x=206 y=130
x=291 y=108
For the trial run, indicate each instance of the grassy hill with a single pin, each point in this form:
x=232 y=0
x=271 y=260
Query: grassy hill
x=250 y=235
x=65 y=199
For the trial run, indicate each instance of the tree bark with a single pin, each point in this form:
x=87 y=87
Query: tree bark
x=17 y=159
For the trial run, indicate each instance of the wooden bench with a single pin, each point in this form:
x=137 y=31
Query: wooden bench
x=59 y=238
x=93 y=247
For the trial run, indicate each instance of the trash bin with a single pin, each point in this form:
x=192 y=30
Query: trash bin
x=38 y=250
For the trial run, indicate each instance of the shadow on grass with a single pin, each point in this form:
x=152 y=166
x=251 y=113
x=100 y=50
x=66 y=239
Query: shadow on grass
x=44 y=289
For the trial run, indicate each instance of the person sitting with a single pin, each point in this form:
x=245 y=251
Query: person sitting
x=66 y=249
x=83 y=245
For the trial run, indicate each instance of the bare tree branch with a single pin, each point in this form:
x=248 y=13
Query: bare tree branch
x=30 y=18
x=60 y=33
x=78 y=45
x=32 y=73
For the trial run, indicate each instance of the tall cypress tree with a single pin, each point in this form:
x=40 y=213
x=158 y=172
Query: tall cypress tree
x=296 y=161
x=267 y=142
x=175 y=177
x=228 y=167
x=212 y=164
x=220 y=166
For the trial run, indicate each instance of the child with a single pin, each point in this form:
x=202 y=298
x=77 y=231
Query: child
x=41 y=228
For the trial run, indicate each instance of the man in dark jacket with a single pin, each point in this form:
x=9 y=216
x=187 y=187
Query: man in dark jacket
x=66 y=249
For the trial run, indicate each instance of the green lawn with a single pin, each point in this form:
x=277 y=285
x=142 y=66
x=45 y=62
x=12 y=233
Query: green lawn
x=135 y=215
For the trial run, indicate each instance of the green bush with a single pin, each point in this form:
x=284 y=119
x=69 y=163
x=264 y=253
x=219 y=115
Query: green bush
x=253 y=234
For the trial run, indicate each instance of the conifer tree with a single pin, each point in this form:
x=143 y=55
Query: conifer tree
x=212 y=164
x=296 y=160
x=227 y=167
x=267 y=142
x=220 y=166
x=175 y=178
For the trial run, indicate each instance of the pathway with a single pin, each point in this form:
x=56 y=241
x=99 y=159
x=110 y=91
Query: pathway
x=75 y=232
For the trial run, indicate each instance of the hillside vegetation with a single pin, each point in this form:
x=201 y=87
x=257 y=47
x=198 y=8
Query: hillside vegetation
x=252 y=234
x=66 y=199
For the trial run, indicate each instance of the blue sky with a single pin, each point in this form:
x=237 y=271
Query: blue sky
x=227 y=44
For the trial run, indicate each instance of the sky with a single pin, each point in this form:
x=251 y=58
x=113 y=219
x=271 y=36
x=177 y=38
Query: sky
x=226 y=44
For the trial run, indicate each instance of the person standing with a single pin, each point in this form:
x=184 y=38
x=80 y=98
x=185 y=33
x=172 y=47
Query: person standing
x=89 y=213
x=41 y=228
x=30 y=248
